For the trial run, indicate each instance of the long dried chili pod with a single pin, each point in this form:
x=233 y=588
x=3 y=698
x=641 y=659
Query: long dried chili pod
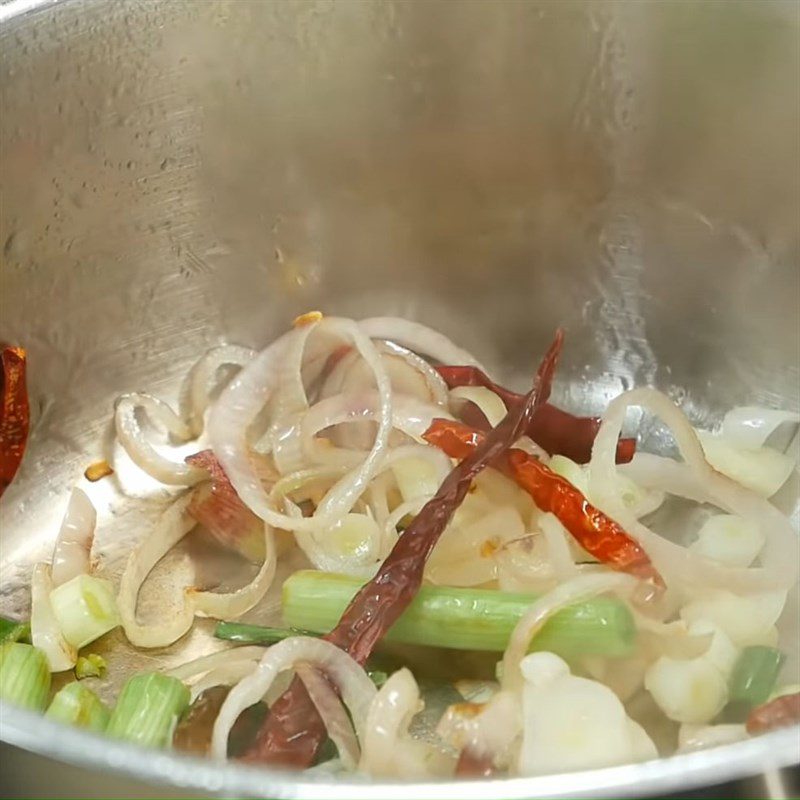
x=595 y=531
x=556 y=431
x=14 y=414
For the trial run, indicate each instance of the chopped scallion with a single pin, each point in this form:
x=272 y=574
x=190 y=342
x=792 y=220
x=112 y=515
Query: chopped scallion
x=76 y=705
x=11 y=631
x=24 y=675
x=148 y=708
x=90 y=666
x=752 y=680
x=85 y=608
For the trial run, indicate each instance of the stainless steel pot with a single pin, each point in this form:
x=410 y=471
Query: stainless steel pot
x=175 y=174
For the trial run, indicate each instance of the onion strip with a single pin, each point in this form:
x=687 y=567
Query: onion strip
x=351 y=681
x=203 y=376
x=74 y=541
x=695 y=479
x=333 y=714
x=171 y=528
x=141 y=452
x=45 y=630
x=419 y=338
x=574 y=591
x=175 y=523
x=243 y=399
x=230 y=605
x=213 y=661
x=387 y=722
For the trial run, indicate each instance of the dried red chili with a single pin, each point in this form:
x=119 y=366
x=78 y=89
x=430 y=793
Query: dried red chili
x=554 y=430
x=597 y=533
x=14 y=414
x=293 y=731
x=777 y=713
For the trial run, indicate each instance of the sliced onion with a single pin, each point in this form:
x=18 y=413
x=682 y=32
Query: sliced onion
x=223 y=668
x=350 y=680
x=333 y=714
x=476 y=691
x=436 y=386
x=464 y=555
x=74 y=542
x=286 y=445
x=209 y=663
x=673 y=477
x=141 y=452
x=695 y=479
x=763 y=470
x=45 y=630
x=313 y=543
x=409 y=375
x=316 y=552
x=501 y=490
x=410 y=416
x=574 y=591
x=558 y=552
x=419 y=338
x=290 y=485
x=175 y=523
x=383 y=753
x=289 y=403
x=486 y=729
x=377 y=498
x=341 y=498
x=750 y=426
x=671 y=639
x=490 y=404
x=360 y=564
x=290 y=394
x=746 y=619
x=171 y=528
x=226 y=675
x=523 y=565
x=413 y=507
x=203 y=377
x=243 y=399
x=639 y=500
x=730 y=540
x=230 y=605
x=236 y=410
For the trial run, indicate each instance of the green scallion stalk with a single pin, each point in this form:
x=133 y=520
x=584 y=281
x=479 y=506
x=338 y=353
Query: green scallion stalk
x=76 y=705
x=753 y=677
x=466 y=619
x=85 y=608
x=24 y=675
x=148 y=708
x=11 y=631
x=90 y=666
x=256 y=634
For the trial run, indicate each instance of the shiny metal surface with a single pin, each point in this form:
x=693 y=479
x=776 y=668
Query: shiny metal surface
x=176 y=174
